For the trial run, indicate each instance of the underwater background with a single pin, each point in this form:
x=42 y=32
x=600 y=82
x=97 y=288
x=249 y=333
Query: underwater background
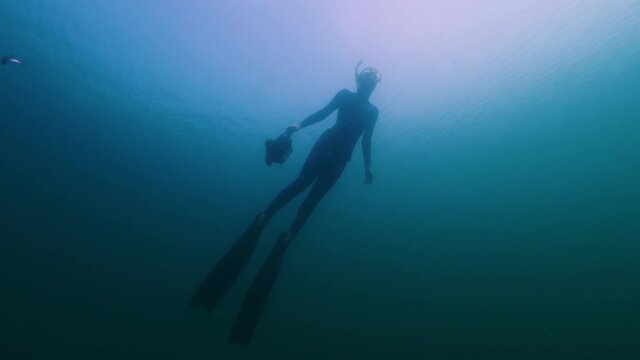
x=503 y=222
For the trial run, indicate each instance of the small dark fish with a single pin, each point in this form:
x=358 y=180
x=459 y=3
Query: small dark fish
x=8 y=60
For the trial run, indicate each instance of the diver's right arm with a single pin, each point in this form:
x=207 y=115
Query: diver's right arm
x=320 y=114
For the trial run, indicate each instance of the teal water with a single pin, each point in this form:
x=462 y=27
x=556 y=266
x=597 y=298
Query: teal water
x=503 y=222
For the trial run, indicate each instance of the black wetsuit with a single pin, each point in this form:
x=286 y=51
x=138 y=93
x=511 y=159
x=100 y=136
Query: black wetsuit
x=329 y=155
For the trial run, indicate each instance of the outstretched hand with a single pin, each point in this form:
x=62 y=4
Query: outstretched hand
x=292 y=128
x=368 y=178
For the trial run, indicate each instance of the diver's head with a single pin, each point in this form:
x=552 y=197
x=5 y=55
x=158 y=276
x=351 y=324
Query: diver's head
x=367 y=79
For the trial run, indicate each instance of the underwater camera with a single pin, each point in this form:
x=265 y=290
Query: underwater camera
x=278 y=150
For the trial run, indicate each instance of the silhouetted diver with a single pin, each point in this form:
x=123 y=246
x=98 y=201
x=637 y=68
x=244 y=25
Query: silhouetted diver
x=324 y=165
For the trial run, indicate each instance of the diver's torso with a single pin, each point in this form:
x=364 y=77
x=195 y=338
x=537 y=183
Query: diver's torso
x=353 y=118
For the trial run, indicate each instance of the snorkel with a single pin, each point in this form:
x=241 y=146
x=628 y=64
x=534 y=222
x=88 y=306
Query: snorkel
x=357 y=70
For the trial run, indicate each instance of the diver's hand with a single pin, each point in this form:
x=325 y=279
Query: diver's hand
x=292 y=128
x=368 y=178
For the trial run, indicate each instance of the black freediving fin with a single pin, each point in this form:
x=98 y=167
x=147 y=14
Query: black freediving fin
x=227 y=269
x=258 y=294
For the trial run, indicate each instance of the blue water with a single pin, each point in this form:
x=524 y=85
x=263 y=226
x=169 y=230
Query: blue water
x=503 y=222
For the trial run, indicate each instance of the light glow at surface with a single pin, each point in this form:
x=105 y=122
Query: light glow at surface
x=424 y=49
x=462 y=45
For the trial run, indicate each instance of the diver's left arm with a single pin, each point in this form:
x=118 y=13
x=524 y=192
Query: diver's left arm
x=366 y=148
x=320 y=114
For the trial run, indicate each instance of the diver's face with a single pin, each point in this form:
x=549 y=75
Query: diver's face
x=367 y=83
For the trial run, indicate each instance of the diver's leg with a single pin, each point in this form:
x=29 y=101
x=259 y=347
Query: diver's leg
x=323 y=184
x=228 y=268
x=308 y=174
x=258 y=294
